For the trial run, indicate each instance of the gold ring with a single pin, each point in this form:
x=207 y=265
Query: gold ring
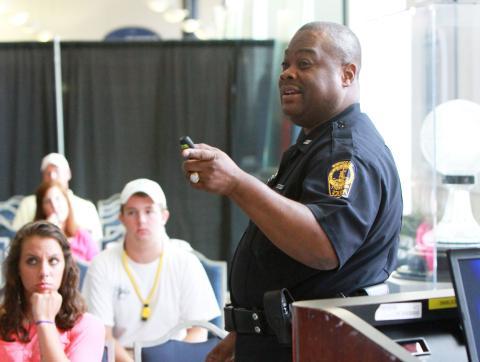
x=194 y=178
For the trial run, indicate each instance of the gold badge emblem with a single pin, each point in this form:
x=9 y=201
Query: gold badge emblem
x=340 y=178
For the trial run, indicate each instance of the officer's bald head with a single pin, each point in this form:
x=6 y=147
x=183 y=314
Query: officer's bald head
x=339 y=41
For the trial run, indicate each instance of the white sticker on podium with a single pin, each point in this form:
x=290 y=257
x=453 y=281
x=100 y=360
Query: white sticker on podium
x=395 y=311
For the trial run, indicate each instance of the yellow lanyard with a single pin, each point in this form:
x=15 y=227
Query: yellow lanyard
x=146 y=311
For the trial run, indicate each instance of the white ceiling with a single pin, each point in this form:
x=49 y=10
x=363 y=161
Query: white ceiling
x=91 y=19
x=220 y=19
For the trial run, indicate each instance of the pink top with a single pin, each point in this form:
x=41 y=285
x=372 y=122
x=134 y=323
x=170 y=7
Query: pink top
x=84 y=342
x=83 y=246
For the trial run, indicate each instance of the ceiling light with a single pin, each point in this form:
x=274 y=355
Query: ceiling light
x=190 y=25
x=44 y=36
x=159 y=6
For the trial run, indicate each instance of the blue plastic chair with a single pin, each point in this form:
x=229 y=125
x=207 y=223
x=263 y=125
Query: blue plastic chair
x=167 y=350
x=3 y=247
x=8 y=209
x=83 y=268
x=108 y=207
x=113 y=236
x=4 y=241
x=109 y=351
x=217 y=274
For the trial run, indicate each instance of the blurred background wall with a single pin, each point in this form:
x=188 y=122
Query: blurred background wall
x=113 y=85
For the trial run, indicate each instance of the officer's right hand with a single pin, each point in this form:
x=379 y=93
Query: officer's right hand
x=216 y=171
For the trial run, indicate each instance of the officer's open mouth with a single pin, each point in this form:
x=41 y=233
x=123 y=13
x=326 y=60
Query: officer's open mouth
x=286 y=91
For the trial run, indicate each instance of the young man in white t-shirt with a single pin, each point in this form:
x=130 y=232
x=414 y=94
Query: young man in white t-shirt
x=147 y=285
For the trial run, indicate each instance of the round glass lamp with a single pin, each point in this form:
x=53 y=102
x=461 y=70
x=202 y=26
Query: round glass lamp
x=450 y=143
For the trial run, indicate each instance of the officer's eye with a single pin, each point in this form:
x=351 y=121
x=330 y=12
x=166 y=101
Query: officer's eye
x=285 y=65
x=304 y=63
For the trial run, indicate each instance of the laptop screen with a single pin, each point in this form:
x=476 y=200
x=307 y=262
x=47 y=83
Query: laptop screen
x=465 y=271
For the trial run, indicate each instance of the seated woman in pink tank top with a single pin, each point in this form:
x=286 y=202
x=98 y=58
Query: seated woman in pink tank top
x=42 y=316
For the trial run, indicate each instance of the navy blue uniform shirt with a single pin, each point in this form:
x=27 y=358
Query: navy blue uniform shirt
x=345 y=174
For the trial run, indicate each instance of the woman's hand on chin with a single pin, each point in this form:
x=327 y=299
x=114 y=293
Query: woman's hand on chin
x=45 y=305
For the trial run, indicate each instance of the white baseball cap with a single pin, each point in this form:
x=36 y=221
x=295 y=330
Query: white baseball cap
x=146 y=186
x=55 y=159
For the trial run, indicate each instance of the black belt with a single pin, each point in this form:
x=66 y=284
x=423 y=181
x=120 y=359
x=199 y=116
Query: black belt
x=246 y=321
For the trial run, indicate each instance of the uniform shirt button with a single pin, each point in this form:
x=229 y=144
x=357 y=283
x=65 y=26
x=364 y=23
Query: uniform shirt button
x=257 y=329
x=255 y=316
x=341 y=124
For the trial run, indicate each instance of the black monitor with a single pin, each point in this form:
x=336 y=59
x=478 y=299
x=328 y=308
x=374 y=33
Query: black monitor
x=465 y=270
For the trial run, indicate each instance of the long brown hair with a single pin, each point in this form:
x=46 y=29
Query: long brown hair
x=13 y=310
x=71 y=226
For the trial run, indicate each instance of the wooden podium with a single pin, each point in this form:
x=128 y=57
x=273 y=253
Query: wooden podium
x=364 y=328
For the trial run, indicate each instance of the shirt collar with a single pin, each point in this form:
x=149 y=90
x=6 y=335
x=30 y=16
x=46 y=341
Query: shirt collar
x=303 y=140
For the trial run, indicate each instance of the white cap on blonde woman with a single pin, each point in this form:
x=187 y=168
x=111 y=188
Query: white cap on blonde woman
x=146 y=186
x=55 y=159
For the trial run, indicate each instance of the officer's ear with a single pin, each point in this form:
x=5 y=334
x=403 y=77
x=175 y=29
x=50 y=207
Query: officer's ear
x=349 y=74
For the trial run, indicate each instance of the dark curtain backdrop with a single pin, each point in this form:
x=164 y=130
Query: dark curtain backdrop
x=127 y=104
x=27 y=115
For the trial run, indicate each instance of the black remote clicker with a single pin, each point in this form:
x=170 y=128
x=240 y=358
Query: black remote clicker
x=186 y=142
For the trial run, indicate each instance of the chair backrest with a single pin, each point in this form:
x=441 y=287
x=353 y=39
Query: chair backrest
x=4 y=241
x=109 y=351
x=217 y=274
x=3 y=247
x=83 y=267
x=167 y=350
x=6 y=230
x=178 y=351
x=9 y=208
x=111 y=224
x=109 y=207
x=113 y=229
x=113 y=236
x=6 y=235
x=7 y=214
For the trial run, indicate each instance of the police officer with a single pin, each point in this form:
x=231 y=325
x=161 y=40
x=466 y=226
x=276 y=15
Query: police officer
x=328 y=223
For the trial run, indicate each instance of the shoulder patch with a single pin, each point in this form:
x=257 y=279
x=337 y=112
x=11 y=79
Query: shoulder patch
x=340 y=178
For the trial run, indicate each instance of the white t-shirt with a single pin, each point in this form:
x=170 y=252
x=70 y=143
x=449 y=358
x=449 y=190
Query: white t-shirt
x=85 y=212
x=183 y=293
